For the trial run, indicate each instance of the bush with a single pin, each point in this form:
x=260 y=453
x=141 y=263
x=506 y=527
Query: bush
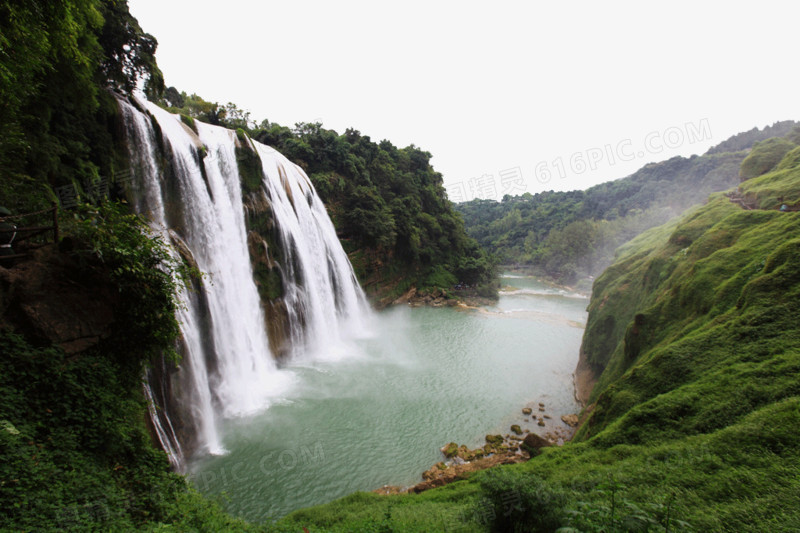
x=140 y=265
x=614 y=514
x=189 y=121
x=439 y=277
x=519 y=502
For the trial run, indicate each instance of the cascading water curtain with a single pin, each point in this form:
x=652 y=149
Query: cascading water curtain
x=187 y=184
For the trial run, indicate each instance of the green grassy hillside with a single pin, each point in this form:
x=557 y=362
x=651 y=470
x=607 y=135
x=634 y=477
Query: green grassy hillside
x=695 y=332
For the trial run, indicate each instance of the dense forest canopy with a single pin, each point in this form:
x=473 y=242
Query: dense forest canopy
x=570 y=235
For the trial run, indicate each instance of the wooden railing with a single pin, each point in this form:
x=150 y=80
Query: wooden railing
x=24 y=233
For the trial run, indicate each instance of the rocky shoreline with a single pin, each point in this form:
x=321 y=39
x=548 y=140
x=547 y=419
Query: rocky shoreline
x=440 y=298
x=459 y=461
x=519 y=445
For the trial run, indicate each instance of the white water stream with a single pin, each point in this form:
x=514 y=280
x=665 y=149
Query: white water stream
x=194 y=200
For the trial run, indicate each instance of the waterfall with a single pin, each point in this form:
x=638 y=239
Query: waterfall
x=186 y=182
x=325 y=299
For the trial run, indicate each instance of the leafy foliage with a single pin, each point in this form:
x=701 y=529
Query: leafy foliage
x=619 y=515
x=521 y=503
x=57 y=60
x=74 y=450
x=388 y=204
x=141 y=268
x=193 y=106
x=128 y=52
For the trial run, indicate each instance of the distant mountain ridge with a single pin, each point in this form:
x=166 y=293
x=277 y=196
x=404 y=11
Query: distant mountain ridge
x=746 y=139
x=572 y=235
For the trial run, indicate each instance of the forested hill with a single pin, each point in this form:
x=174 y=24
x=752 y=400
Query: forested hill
x=388 y=204
x=571 y=235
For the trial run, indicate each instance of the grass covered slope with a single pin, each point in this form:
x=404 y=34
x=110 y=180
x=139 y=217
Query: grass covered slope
x=694 y=427
x=696 y=330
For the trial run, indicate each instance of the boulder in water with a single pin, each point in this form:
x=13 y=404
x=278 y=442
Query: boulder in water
x=450 y=450
x=533 y=443
x=494 y=440
x=570 y=420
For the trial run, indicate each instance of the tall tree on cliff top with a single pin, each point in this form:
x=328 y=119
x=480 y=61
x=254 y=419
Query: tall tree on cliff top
x=56 y=60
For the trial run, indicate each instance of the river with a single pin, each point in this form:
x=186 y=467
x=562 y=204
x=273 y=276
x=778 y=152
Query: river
x=377 y=412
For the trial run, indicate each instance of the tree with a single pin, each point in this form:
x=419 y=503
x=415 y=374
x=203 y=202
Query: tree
x=57 y=60
x=128 y=52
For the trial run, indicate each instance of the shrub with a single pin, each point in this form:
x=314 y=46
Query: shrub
x=519 y=502
x=140 y=265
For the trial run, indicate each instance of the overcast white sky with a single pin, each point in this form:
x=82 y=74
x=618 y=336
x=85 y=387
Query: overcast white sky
x=507 y=96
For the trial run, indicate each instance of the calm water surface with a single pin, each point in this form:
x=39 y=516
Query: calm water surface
x=377 y=412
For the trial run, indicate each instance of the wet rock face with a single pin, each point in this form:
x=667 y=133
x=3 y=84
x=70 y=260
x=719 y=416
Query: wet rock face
x=53 y=299
x=265 y=259
x=276 y=317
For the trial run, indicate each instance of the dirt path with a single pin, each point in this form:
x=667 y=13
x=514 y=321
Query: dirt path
x=736 y=198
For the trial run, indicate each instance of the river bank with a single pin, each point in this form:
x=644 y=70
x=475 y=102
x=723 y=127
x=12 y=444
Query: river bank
x=441 y=298
x=535 y=429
